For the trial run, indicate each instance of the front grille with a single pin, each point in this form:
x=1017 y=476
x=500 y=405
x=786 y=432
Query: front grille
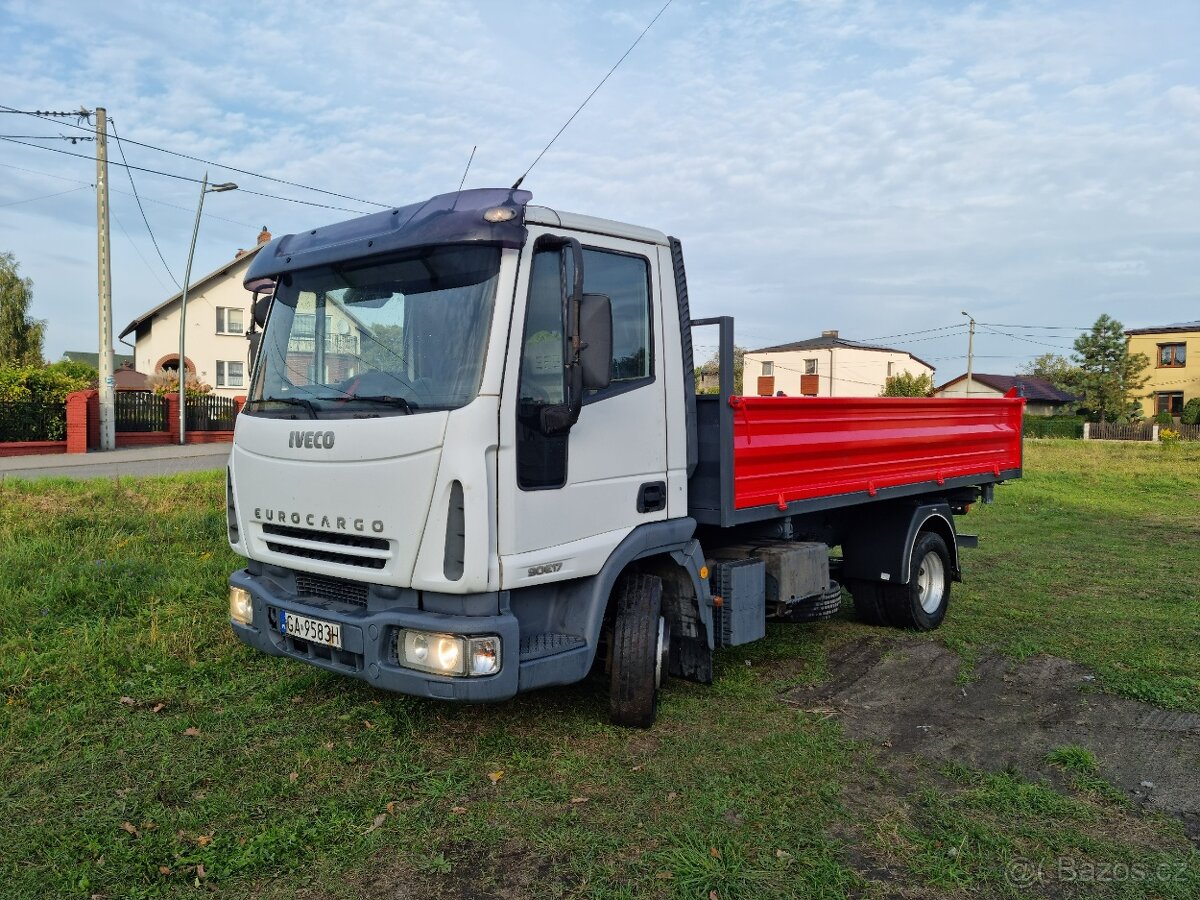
x=355 y=550
x=327 y=537
x=355 y=592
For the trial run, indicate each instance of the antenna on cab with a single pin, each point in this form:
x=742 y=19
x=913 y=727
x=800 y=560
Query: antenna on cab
x=517 y=183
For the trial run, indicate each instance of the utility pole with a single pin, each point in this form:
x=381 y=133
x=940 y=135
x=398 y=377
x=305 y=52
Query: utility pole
x=108 y=431
x=970 y=350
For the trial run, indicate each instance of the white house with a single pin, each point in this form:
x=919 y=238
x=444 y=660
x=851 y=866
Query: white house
x=218 y=313
x=827 y=366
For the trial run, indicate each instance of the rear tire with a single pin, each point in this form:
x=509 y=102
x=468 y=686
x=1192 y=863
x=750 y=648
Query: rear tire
x=921 y=604
x=640 y=639
x=869 y=601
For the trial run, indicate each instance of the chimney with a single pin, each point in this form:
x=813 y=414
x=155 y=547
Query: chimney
x=264 y=236
x=830 y=334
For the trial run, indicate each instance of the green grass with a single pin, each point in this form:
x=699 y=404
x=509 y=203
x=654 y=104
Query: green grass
x=144 y=752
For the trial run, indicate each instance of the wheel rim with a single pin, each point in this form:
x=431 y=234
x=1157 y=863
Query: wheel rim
x=931 y=581
x=661 y=650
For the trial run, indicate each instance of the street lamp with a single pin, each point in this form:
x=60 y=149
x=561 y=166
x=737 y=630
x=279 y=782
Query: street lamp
x=205 y=188
x=970 y=350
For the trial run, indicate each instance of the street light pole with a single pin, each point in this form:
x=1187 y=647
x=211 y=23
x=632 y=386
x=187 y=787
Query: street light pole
x=970 y=350
x=205 y=188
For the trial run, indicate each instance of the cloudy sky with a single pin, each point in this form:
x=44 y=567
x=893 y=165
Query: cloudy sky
x=871 y=167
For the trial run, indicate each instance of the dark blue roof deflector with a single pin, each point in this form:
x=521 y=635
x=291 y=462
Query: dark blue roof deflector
x=446 y=219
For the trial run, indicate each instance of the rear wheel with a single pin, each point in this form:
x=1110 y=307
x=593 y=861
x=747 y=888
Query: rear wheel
x=869 y=601
x=921 y=604
x=640 y=641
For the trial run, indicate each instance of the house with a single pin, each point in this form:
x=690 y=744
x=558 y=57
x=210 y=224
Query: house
x=218 y=312
x=1041 y=397
x=827 y=366
x=1171 y=382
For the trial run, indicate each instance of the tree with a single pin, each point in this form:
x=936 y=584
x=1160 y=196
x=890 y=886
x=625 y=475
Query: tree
x=712 y=368
x=905 y=384
x=1058 y=370
x=20 y=335
x=1109 y=376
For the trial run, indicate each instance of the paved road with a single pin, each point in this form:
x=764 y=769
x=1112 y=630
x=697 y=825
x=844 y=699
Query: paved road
x=127 y=462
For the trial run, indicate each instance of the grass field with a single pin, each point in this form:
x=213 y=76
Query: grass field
x=145 y=753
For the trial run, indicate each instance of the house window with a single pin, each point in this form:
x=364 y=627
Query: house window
x=1169 y=402
x=768 y=367
x=230 y=373
x=891 y=369
x=1172 y=356
x=229 y=320
x=810 y=367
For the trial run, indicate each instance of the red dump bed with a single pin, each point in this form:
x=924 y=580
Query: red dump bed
x=800 y=448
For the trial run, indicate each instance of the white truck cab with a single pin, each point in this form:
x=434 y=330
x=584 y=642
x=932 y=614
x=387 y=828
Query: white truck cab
x=425 y=488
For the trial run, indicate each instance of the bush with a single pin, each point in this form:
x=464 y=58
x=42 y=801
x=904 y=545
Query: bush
x=1191 y=412
x=1053 y=426
x=44 y=384
x=1164 y=418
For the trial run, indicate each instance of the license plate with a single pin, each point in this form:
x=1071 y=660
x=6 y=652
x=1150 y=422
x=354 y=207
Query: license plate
x=312 y=630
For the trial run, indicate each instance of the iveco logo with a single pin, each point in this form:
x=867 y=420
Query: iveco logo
x=311 y=440
x=547 y=569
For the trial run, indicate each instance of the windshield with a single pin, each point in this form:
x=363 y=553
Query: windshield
x=400 y=335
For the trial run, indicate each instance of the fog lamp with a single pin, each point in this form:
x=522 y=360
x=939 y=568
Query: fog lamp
x=448 y=654
x=241 y=606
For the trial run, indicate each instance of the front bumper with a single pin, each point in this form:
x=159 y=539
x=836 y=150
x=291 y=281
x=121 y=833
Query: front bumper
x=368 y=640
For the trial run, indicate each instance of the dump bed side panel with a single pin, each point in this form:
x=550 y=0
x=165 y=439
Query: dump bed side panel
x=790 y=449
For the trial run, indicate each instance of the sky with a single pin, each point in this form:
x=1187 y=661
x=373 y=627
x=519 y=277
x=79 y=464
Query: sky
x=875 y=168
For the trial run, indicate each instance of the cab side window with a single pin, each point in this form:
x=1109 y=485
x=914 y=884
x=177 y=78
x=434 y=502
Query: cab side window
x=625 y=279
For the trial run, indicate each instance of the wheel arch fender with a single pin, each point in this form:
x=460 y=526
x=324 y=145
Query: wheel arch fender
x=879 y=547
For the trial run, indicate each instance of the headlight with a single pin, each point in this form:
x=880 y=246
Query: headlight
x=241 y=607
x=448 y=654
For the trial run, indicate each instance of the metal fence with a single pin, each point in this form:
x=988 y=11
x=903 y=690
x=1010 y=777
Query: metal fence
x=139 y=411
x=1186 y=432
x=1110 y=431
x=33 y=420
x=210 y=413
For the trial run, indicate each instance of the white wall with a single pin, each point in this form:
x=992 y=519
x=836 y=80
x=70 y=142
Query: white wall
x=841 y=371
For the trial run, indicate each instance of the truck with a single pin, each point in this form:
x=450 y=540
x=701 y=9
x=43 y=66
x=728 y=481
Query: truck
x=473 y=462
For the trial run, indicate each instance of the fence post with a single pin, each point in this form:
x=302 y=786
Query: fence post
x=1154 y=433
x=172 y=416
x=1087 y=430
x=77 y=421
x=239 y=402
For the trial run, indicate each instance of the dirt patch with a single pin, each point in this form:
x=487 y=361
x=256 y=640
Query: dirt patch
x=905 y=697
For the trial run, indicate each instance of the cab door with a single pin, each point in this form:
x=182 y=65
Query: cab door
x=566 y=500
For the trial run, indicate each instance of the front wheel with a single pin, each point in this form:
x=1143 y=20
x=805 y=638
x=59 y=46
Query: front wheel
x=921 y=604
x=640 y=641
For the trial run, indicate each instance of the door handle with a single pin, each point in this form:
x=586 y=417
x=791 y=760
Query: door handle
x=652 y=497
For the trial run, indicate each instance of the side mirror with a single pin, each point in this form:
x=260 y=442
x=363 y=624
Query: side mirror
x=259 y=307
x=596 y=335
x=254 y=338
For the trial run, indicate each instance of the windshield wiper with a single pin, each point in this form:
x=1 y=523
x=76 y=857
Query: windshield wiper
x=387 y=400
x=292 y=401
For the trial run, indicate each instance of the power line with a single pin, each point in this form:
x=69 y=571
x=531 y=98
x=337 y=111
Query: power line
x=186 y=178
x=1026 y=340
x=923 y=331
x=150 y=230
x=592 y=94
x=209 y=162
x=1046 y=327
x=138 y=251
x=46 y=196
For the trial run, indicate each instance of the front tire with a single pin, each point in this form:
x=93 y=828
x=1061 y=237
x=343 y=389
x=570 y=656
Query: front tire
x=921 y=604
x=640 y=639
